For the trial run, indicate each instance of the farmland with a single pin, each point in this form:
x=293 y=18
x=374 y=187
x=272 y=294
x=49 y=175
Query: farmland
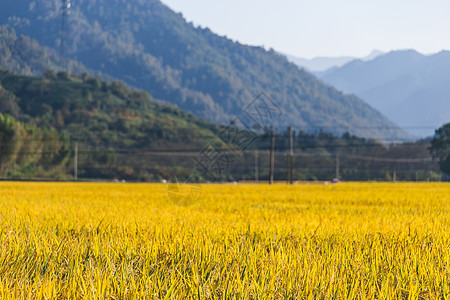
x=129 y=241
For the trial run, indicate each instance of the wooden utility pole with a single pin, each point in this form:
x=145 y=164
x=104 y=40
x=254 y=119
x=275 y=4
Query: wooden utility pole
x=288 y=168
x=256 y=166
x=272 y=156
x=291 y=155
x=394 y=176
x=338 y=165
x=75 y=163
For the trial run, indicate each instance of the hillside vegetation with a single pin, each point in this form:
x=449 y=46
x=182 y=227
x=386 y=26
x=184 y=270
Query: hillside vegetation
x=27 y=151
x=124 y=133
x=102 y=116
x=24 y=55
x=146 y=45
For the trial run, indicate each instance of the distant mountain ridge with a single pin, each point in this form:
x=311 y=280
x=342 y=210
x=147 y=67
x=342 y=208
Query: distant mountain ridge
x=146 y=45
x=322 y=64
x=410 y=88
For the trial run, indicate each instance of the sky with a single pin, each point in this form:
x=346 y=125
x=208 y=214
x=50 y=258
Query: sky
x=312 y=28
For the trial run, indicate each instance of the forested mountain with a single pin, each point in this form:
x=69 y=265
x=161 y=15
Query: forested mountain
x=146 y=45
x=98 y=112
x=24 y=55
x=410 y=88
x=102 y=117
x=123 y=133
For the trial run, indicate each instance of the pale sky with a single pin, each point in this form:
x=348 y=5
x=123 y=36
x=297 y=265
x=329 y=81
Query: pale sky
x=311 y=28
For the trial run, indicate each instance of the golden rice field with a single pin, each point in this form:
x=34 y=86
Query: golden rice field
x=128 y=241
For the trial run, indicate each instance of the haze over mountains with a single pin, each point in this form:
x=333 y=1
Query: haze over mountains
x=320 y=64
x=410 y=88
x=146 y=45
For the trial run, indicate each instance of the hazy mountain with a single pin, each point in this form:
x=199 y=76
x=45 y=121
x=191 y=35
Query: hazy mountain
x=321 y=64
x=146 y=45
x=410 y=88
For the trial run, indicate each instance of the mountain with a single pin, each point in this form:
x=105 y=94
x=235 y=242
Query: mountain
x=123 y=133
x=319 y=64
x=99 y=113
x=105 y=118
x=322 y=64
x=26 y=56
x=408 y=87
x=148 y=46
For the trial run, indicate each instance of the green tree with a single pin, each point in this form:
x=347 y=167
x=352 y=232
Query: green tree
x=440 y=148
x=28 y=151
x=8 y=140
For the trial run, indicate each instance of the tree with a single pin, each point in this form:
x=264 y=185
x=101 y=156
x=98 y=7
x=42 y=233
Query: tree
x=440 y=148
x=8 y=140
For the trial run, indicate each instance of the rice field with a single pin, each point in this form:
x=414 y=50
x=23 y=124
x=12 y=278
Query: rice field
x=307 y=241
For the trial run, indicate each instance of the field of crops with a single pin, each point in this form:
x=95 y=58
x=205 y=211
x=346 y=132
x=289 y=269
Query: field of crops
x=126 y=241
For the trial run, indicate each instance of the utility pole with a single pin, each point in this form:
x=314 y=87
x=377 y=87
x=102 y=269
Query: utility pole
x=75 y=163
x=256 y=166
x=291 y=154
x=338 y=165
x=394 y=176
x=288 y=168
x=272 y=156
